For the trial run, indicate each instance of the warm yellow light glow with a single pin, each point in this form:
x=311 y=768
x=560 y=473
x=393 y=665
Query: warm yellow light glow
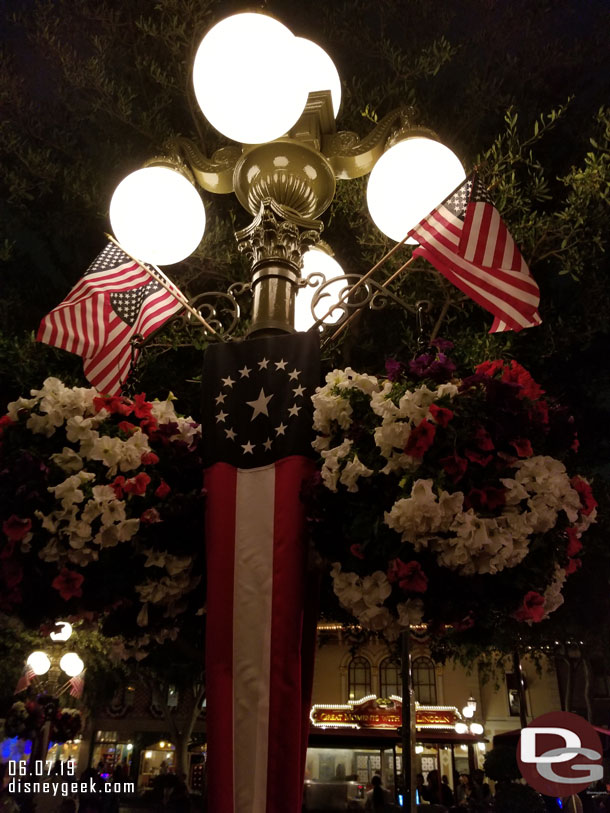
x=461 y=728
x=162 y=744
x=130 y=746
x=408 y=182
x=318 y=262
x=157 y=215
x=419 y=749
x=476 y=728
x=71 y=664
x=467 y=711
x=39 y=662
x=482 y=746
x=148 y=755
x=64 y=632
x=320 y=71
x=248 y=79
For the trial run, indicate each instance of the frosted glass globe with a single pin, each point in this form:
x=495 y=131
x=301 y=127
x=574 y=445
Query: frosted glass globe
x=157 y=215
x=461 y=728
x=39 y=663
x=71 y=664
x=249 y=78
x=315 y=260
x=320 y=71
x=476 y=728
x=408 y=182
x=64 y=632
x=468 y=711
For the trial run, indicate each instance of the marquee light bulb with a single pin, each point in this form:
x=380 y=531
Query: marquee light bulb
x=320 y=71
x=39 y=662
x=247 y=81
x=157 y=215
x=408 y=182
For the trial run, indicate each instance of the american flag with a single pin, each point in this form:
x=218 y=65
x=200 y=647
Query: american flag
x=260 y=622
x=114 y=301
x=466 y=240
x=77 y=684
x=24 y=681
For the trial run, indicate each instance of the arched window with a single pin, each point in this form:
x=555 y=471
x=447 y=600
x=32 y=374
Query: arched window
x=424 y=681
x=358 y=678
x=390 y=681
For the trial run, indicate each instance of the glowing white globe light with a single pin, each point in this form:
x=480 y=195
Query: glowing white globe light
x=461 y=728
x=319 y=262
x=419 y=749
x=468 y=711
x=408 y=182
x=320 y=71
x=157 y=215
x=65 y=631
x=248 y=78
x=71 y=664
x=39 y=663
x=476 y=728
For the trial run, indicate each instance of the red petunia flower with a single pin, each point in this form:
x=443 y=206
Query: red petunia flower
x=137 y=485
x=532 y=608
x=454 y=466
x=127 y=427
x=488 y=498
x=409 y=575
x=522 y=446
x=575 y=445
x=162 y=490
x=16 y=528
x=68 y=583
x=441 y=415
x=574 y=543
x=585 y=492
x=149 y=459
x=420 y=439
x=141 y=407
x=540 y=412
x=483 y=440
x=478 y=457
x=356 y=550
x=113 y=404
x=5 y=421
x=516 y=374
x=489 y=368
x=117 y=485
x=573 y=566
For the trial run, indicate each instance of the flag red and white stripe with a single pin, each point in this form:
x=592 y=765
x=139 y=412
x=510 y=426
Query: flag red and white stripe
x=24 y=681
x=77 y=684
x=116 y=300
x=260 y=622
x=466 y=240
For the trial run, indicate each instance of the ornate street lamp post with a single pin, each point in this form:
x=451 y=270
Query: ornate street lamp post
x=277 y=96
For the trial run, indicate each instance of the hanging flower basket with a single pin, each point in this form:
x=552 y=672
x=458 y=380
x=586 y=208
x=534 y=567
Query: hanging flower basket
x=446 y=500
x=96 y=491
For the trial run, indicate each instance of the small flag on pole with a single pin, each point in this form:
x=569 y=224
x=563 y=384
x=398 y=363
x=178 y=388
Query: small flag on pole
x=25 y=680
x=260 y=628
x=466 y=240
x=114 y=301
x=76 y=685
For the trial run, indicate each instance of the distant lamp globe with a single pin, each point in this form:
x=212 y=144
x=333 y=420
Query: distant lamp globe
x=320 y=71
x=476 y=728
x=468 y=712
x=247 y=81
x=71 y=664
x=39 y=662
x=63 y=630
x=157 y=215
x=408 y=182
x=461 y=728
x=319 y=262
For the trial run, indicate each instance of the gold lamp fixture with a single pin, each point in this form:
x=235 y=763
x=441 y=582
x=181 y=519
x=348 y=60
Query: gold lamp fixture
x=276 y=95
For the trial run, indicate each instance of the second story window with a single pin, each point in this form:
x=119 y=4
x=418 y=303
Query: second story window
x=390 y=681
x=424 y=681
x=358 y=678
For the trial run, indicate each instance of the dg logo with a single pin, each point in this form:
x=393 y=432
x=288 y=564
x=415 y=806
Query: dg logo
x=560 y=754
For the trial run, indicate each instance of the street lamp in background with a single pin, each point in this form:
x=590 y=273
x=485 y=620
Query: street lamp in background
x=276 y=96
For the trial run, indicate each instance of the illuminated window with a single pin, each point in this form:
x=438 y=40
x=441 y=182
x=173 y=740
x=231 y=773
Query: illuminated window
x=390 y=681
x=424 y=681
x=358 y=678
